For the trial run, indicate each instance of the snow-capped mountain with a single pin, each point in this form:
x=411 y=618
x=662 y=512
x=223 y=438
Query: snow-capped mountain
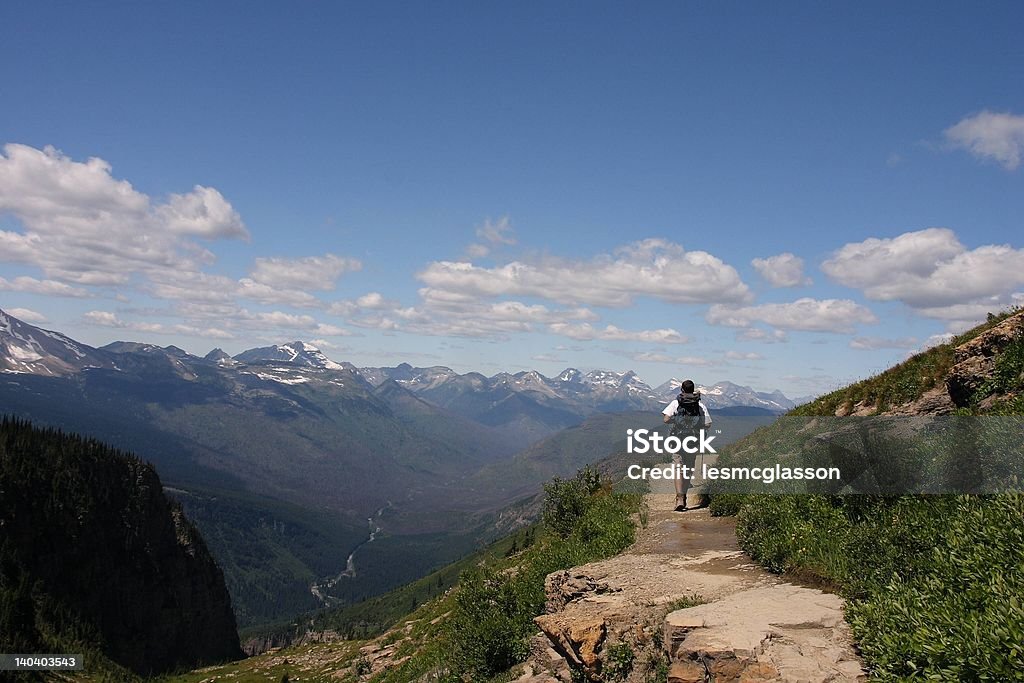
x=727 y=394
x=28 y=349
x=296 y=353
x=526 y=397
x=571 y=393
x=414 y=379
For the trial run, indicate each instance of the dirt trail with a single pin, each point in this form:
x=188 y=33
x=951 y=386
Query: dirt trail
x=615 y=619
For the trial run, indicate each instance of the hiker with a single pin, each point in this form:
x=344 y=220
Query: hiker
x=688 y=416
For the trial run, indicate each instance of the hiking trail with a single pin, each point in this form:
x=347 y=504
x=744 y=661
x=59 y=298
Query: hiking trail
x=615 y=619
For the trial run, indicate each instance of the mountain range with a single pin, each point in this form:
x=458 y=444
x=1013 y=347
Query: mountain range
x=281 y=454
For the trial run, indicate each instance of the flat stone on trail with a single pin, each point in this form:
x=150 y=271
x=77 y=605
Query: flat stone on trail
x=752 y=626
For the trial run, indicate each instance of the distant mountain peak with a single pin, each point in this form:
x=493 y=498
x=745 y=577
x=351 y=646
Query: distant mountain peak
x=219 y=356
x=570 y=375
x=27 y=349
x=726 y=394
x=296 y=352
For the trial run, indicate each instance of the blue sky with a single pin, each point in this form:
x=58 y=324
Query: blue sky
x=783 y=195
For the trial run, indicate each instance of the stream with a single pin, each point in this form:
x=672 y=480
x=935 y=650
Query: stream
x=319 y=588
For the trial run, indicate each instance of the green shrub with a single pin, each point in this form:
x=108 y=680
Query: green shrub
x=960 y=616
x=618 y=662
x=566 y=500
x=935 y=583
x=492 y=620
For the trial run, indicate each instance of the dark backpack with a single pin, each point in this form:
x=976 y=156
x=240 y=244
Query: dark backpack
x=688 y=414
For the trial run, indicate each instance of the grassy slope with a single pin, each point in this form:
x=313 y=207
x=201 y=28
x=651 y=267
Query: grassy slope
x=935 y=583
x=901 y=383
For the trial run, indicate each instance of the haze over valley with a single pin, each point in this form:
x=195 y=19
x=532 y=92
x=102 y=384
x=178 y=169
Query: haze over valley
x=281 y=454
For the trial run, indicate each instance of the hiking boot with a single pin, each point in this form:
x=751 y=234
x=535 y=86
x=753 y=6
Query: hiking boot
x=680 y=504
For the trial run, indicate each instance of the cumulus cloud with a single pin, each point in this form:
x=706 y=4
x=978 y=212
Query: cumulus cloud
x=741 y=355
x=332 y=330
x=990 y=136
x=807 y=314
x=662 y=357
x=655 y=268
x=587 y=332
x=782 y=270
x=27 y=315
x=247 y=288
x=109 y=319
x=83 y=226
x=762 y=335
x=932 y=272
x=46 y=287
x=311 y=272
x=104 y=318
x=203 y=212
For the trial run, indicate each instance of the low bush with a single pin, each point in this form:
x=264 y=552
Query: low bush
x=935 y=583
x=492 y=619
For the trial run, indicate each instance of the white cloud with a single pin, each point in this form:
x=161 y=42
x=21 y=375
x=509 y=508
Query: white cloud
x=932 y=272
x=762 y=335
x=444 y=313
x=27 y=315
x=661 y=357
x=875 y=262
x=497 y=232
x=46 y=287
x=108 y=319
x=990 y=136
x=376 y=301
x=248 y=288
x=311 y=272
x=332 y=330
x=492 y=234
x=477 y=250
x=83 y=226
x=937 y=339
x=740 y=355
x=279 y=319
x=203 y=212
x=326 y=345
x=873 y=343
x=587 y=332
x=547 y=358
x=653 y=267
x=104 y=318
x=816 y=315
x=782 y=270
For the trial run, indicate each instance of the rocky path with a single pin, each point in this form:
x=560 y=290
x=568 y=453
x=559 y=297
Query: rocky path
x=628 y=618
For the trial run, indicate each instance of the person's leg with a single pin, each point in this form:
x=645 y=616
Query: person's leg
x=681 y=485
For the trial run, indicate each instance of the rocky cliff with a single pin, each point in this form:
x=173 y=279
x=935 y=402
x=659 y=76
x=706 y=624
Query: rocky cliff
x=977 y=371
x=94 y=556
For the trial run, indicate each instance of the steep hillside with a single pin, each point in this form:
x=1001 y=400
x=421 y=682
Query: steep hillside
x=934 y=583
x=94 y=557
x=978 y=372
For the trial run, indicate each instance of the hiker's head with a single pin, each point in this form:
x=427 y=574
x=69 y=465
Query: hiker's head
x=687 y=386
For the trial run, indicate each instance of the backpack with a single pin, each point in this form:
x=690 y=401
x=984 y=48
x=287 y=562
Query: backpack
x=688 y=414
